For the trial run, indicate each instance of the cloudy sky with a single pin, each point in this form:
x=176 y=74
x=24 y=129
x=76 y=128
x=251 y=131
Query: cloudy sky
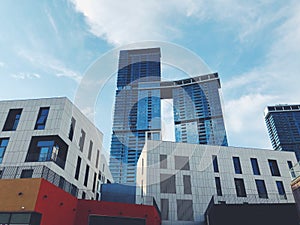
x=46 y=48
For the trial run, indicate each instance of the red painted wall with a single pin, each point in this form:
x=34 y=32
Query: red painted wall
x=57 y=206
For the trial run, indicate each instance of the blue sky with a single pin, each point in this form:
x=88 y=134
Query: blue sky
x=46 y=47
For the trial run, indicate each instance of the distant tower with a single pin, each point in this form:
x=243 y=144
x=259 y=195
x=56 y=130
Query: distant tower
x=283 y=123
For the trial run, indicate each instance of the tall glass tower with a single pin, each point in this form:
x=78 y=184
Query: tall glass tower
x=283 y=123
x=197 y=110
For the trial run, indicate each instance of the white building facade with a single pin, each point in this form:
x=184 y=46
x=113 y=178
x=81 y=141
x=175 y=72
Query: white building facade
x=51 y=138
x=185 y=178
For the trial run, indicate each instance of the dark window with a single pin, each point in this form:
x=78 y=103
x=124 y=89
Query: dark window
x=280 y=189
x=94 y=182
x=215 y=163
x=27 y=173
x=167 y=183
x=97 y=158
x=218 y=186
x=255 y=167
x=20 y=218
x=237 y=165
x=182 y=163
x=1 y=174
x=164 y=207
x=86 y=177
x=42 y=118
x=261 y=188
x=90 y=150
x=81 y=140
x=185 y=210
x=12 y=120
x=290 y=165
x=274 y=167
x=163 y=161
x=77 y=168
x=187 y=184
x=72 y=128
x=83 y=195
x=3 y=145
x=240 y=187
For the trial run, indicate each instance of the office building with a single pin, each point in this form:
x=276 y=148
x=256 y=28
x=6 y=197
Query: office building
x=197 y=110
x=195 y=184
x=283 y=123
x=51 y=139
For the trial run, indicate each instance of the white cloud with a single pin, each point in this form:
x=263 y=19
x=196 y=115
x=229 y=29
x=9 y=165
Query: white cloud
x=23 y=76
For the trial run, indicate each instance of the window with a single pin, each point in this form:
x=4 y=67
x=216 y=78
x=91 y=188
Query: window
x=261 y=188
x=240 y=187
x=218 y=186
x=77 y=168
x=3 y=146
x=94 y=182
x=164 y=207
x=274 y=167
x=167 y=183
x=90 y=150
x=281 y=190
x=1 y=174
x=215 y=164
x=97 y=158
x=237 y=165
x=290 y=165
x=182 y=163
x=83 y=195
x=187 y=187
x=72 y=128
x=42 y=118
x=255 y=167
x=185 y=210
x=163 y=161
x=81 y=140
x=27 y=173
x=86 y=177
x=12 y=120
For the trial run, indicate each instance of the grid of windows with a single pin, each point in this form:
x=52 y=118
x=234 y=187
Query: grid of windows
x=42 y=118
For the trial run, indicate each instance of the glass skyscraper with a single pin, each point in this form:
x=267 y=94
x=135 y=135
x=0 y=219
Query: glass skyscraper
x=197 y=110
x=283 y=124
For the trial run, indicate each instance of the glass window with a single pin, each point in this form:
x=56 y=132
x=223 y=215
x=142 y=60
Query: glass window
x=163 y=161
x=164 y=207
x=218 y=186
x=281 y=190
x=261 y=188
x=77 y=168
x=27 y=173
x=255 y=167
x=81 y=140
x=90 y=150
x=274 y=167
x=290 y=165
x=187 y=187
x=237 y=165
x=215 y=163
x=185 y=210
x=3 y=145
x=182 y=163
x=86 y=178
x=240 y=187
x=97 y=158
x=12 y=120
x=167 y=183
x=42 y=118
x=47 y=151
x=72 y=128
x=94 y=182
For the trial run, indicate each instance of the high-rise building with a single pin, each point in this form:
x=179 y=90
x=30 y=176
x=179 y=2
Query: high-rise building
x=283 y=123
x=198 y=117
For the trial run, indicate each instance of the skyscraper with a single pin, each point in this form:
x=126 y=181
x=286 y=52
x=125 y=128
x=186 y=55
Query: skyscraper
x=198 y=117
x=283 y=123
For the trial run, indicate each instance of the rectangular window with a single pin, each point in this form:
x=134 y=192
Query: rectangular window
x=72 y=128
x=237 y=165
x=42 y=118
x=77 y=168
x=255 y=167
x=12 y=120
x=182 y=163
x=86 y=177
x=163 y=161
x=218 y=186
x=27 y=173
x=185 y=210
x=81 y=140
x=3 y=146
x=281 y=190
x=261 y=188
x=83 y=195
x=187 y=187
x=97 y=158
x=274 y=167
x=164 y=207
x=240 y=187
x=90 y=150
x=94 y=182
x=215 y=163
x=167 y=183
x=290 y=165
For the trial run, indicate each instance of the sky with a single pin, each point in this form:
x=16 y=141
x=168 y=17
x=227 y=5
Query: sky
x=47 y=47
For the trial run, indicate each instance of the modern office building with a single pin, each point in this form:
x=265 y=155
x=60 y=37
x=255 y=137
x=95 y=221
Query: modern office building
x=197 y=184
x=197 y=109
x=283 y=123
x=51 y=139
